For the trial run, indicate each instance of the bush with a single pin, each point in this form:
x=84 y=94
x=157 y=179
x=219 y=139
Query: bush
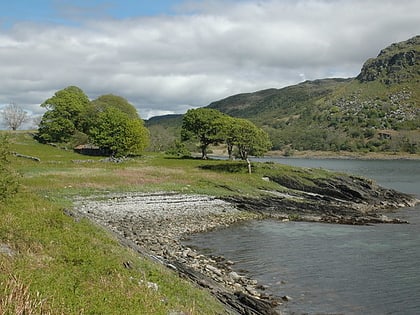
x=179 y=149
x=8 y=176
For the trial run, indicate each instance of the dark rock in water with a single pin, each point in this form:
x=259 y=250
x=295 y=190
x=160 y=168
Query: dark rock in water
x=337 y=199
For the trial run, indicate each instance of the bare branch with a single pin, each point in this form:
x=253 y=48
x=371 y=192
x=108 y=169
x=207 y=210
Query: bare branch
x=14 y=116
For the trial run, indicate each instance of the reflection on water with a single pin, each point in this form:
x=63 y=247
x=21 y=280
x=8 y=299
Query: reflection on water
x=334 y=268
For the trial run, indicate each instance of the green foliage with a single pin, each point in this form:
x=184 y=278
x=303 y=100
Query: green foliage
x=178 y=149
x=119 y=134
x=73 y=266
x=204 y=124
x=117 y=102
x=110 y=122
x=55 y=128
x=249 y=139
x=8 y=176
x=66 y=113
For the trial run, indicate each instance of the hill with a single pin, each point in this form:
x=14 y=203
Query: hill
x=376 y=111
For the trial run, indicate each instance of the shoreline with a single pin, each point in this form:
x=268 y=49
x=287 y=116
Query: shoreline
x=344 y=155
x=341 y=155
x=154 y=224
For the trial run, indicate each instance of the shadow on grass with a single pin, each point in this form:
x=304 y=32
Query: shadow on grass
x=232 y=167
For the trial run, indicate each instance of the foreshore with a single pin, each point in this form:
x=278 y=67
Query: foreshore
x=154 y=224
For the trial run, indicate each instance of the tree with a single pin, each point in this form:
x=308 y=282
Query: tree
x=119 y=134
x=206 y=125
x=54 y=128
x=229 y=133
x=99 y=105
x=118 y=102
x=14 y=116
x=66 y=113
x=249 y=139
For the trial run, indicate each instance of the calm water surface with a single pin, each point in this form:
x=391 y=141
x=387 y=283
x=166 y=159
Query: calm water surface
x=334 y=269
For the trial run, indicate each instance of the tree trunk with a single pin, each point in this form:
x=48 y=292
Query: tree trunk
x=249 y=166
x=204 y=152
x=230 y=151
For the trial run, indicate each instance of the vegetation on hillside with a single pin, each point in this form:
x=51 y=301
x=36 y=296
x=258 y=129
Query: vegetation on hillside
x=379 y=111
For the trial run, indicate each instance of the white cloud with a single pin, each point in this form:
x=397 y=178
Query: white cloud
x=212 y=49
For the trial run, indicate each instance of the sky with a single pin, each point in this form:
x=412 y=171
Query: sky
x=167 y=56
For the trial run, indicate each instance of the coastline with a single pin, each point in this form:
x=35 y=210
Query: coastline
x=154 y=224
x=344 y=155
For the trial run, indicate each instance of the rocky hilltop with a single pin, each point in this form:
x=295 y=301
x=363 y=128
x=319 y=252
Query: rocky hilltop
x=396 y=64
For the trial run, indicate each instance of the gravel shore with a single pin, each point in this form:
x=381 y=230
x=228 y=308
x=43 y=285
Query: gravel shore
x=157 y=222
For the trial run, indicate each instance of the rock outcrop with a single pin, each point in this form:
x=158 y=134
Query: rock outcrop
x=395 y=64
x=338 y=199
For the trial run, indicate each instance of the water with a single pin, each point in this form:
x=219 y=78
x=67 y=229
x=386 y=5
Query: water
x=334 y=269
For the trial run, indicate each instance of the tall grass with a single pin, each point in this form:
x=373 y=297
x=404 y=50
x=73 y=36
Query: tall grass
x=18 y=300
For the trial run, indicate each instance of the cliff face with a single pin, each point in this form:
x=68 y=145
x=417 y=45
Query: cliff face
x=396 y=64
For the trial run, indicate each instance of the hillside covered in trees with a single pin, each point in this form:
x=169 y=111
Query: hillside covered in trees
x=378 y=111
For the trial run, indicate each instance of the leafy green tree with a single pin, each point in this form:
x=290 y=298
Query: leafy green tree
x=66 y=113
x=229 y=134
x=206 y=125
x=119 y=134
x=250 y=139
x=118 y=102
x=8 y=177
x=54 y=128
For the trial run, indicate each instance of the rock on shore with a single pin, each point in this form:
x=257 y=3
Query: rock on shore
x=157 y=222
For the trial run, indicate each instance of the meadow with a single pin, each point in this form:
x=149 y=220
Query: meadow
x=53 y=263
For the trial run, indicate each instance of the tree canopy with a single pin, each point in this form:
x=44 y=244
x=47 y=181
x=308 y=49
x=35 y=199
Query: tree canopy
x=249 y=139
x=118 y=134
x=109 y=122
x=210 y=126
x=115 y=101
x=66 y=113
x=204 y=124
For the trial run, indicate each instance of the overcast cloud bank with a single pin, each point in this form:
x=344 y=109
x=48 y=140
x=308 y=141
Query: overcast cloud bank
x=206 y=51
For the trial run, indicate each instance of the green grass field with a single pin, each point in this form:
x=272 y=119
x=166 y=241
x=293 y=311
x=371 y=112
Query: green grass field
x=51 y=263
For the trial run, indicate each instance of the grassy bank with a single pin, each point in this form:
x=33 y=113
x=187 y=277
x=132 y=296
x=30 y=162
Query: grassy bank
x=53 y=263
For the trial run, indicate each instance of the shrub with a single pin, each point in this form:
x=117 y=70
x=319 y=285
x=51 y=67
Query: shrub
x=8 y=177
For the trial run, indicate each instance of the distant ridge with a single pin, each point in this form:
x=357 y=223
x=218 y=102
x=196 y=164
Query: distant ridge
x=379 y=110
